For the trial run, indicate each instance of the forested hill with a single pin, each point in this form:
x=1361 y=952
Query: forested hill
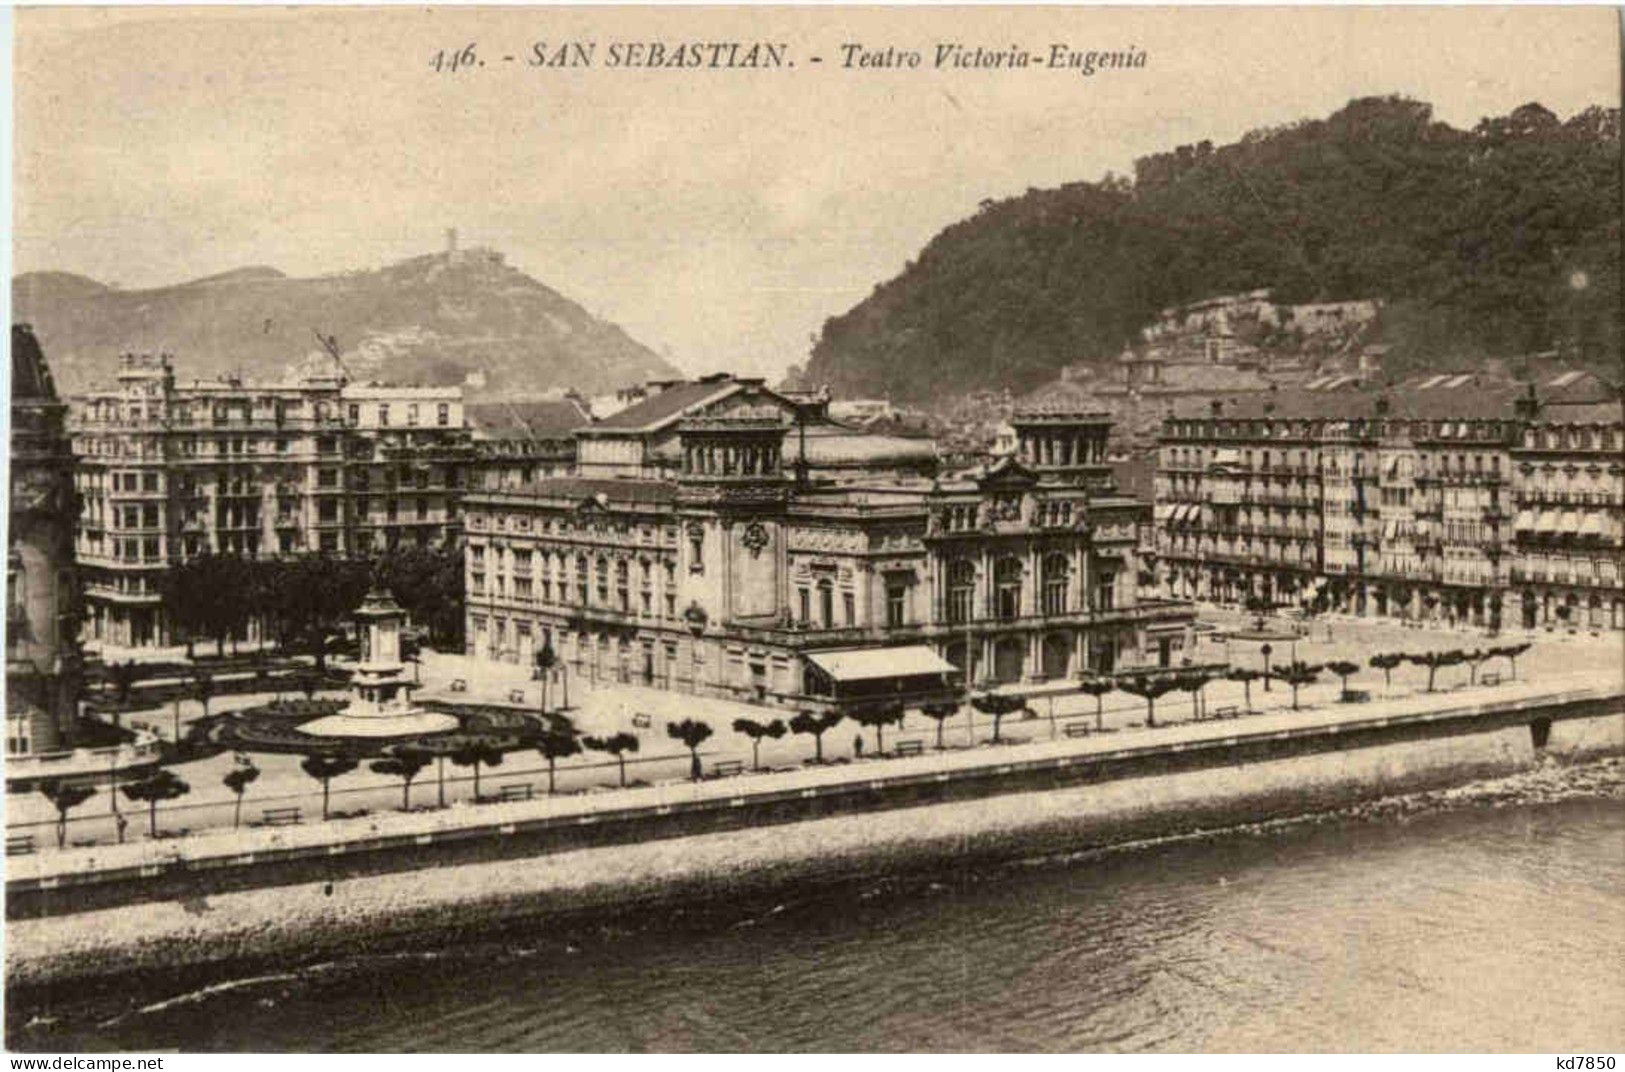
x=1495 y=241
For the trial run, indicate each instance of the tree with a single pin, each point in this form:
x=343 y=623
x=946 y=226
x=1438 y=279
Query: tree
x=477 y=753
x=201 y=689
x=1246 y=676
x=405 y=764
x=556 y=743
x=1193 y=683
x=1434 y=660
x=1511 y=652
x=756 y=731
x=1149 y=689
x=816 y=723
x=162 y=784
x=1476 y=658
x=939 y=713
x=997 y=705
x=1258 y=607
x=617 y=745
x=123 y=677
x=324 y=769
x=1098 y=687
x=1344 y=670
x=238 y=779
x=64 y=797
x=546 y=659
x=879 y=716
x=692 y=733
x=1386 y=662
x=1297 y=675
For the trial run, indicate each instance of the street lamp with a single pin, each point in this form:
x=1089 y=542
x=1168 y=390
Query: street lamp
x=1266 y=649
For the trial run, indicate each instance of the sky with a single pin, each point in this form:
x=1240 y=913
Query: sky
x=719 y=215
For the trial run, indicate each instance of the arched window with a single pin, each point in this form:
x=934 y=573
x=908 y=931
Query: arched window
x=603 y=581
x=961 y=590
x=1057 y=572
x=826 y=604
x=1007 y=587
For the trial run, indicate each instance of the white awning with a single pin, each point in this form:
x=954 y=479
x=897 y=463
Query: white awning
x=1227 y=456
x=1592 y=525
x=1525 y=522
x=1547 y=522
x=1164 y=511
x=867 y=664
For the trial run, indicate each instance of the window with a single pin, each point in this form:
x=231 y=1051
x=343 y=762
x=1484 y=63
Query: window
x=412 y=413
x=581 y=580
x=623 y=598
x=896 y=604
x=696 y=548
x=1106 y=592
x=849 y=608
x=1057 y=574
x=443 y=414
x=961 y=590
x=355 y=413
x=805 y=598
x=1007 y=587
x=826 y=604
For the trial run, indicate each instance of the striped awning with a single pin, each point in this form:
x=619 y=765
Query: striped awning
x=1165 y=511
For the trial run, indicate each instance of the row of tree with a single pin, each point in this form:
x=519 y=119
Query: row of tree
x=302 y=599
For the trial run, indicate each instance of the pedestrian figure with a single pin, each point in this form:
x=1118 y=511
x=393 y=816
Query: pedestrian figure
x=120 y=822
x=857 y=746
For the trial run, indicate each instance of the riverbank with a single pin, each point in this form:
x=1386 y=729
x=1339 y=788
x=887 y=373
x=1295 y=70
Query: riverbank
x=265 y=929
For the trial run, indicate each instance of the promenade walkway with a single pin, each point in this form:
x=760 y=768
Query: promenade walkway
x=804 y=780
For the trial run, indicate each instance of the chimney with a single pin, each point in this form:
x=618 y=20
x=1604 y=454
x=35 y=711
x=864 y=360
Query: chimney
x=1527 y=407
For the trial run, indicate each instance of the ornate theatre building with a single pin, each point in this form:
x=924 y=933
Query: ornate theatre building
x=724 y=539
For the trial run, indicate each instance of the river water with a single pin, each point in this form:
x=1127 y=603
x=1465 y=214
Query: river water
x=1495 y=927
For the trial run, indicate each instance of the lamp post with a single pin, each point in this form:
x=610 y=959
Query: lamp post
x=1266 y=649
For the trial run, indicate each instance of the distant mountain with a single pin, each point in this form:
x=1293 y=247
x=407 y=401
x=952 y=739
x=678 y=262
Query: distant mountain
x=1492 y=242
x=431 y=319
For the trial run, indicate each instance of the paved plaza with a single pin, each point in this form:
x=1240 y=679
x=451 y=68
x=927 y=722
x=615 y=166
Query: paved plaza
x=1556 y=661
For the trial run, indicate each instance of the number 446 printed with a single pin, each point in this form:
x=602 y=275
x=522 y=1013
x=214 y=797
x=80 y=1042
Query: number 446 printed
x=450 y=61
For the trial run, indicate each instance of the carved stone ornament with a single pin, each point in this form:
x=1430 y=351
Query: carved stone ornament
x=754 y=538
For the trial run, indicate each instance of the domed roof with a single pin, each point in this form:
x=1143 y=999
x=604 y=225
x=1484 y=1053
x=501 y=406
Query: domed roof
x=30 y=376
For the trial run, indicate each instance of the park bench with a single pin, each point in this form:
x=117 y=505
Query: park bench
x=1227 y=711
x=641 y=721
x=459 y=685
x=280 y=816
x=910 y=748
x=727 y=767
x=516 y=696
x=1077 y=729
x=1356 y=696
x=1491 y=678
x=516 y=791
x=21 y=845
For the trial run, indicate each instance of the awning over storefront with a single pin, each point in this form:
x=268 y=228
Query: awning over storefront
x=1593 y=525
x=1227 y=456
x=1165 y=511
x=870 y=664
x=1568 y=522
x=1547 y=522
x=1525 y=522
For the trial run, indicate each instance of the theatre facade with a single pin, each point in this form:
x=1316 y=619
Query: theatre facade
x=730 y=541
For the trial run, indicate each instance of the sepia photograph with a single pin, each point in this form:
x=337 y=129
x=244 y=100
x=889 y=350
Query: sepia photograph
x=815 y=529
